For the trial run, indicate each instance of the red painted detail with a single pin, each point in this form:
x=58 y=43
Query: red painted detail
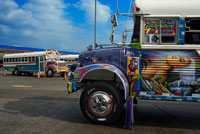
x=137 y=9
x=156 y=93
x=137 y=92
x=177 y=94
x=19 y=63
x=71 y=63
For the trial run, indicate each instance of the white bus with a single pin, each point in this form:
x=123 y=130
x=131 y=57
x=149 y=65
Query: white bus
x=71 y=60
x=29 y=63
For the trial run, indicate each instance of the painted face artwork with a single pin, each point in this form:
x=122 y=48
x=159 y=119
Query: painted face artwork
x=170 y=71
x=176 y=61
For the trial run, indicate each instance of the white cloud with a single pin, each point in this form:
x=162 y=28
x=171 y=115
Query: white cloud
x=103 y=11
x=4 y=29
x=37 y=23
x=48 y=24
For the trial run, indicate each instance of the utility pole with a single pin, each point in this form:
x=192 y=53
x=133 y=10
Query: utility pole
x=95 y=14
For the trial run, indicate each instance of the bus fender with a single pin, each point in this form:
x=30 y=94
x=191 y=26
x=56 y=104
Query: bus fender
x=86 y=69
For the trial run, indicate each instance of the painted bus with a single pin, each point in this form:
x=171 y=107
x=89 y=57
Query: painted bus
x=162 y=62
x=71 y=60
x=28 y=63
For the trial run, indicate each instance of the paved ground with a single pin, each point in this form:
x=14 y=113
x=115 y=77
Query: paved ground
x=40 y=106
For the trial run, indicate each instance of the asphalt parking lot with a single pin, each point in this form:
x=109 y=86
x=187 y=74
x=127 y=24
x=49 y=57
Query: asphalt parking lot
x=41 y=106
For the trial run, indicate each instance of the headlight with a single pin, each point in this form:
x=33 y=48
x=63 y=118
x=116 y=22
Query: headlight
x=77 y=75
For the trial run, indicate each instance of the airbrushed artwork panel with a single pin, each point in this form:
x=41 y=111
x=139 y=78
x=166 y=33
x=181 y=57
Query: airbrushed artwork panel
x=176 y=72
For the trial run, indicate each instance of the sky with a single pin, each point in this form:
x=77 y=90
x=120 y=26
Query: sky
x=66 y=25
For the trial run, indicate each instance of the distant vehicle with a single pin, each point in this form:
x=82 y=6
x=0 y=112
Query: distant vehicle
x=28 y=63
x=71 y=60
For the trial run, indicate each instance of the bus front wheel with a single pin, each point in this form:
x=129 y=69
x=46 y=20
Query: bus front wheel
x=50 y=73
x=16 y=72
x=101 y=103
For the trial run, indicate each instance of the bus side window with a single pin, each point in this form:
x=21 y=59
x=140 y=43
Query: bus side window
x=192 y=31
x=169 y=31
x=158 y=31
x=26 y=59
x=22 y=59
x=37 y=59
x=30 y=59
x=33 y=59
x=152 y=31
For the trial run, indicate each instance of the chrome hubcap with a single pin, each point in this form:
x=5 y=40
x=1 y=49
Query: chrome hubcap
x=100 y=104
x=49 y=73
x=15 y=72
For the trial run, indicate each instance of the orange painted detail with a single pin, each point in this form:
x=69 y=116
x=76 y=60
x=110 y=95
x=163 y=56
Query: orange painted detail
x=134 y=8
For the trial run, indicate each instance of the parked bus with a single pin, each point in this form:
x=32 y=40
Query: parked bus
x=162 y=62
x=29 y=63
x=71 y=60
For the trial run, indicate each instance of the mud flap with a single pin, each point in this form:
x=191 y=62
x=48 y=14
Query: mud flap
x=129 y=113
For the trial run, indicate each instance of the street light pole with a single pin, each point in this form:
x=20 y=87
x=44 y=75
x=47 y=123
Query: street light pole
x=95 y=24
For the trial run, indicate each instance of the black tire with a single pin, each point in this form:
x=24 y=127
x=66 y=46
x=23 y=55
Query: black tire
x=62 y=74
x=29 y=73
x=111 y=111
x=50 y=73
x=13 y=73
x=16 y=72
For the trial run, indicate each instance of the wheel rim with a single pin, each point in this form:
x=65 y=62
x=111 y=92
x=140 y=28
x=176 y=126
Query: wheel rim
x=50 y=73
x=100 y=104
x=16 y=72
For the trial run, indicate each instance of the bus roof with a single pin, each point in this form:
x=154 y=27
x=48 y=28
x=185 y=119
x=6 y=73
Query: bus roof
x=68 y=56
x=25 y=54
x=171 y=8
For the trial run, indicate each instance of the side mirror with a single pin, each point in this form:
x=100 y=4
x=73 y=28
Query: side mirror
x=124 y=36
x=114 y=20
x=89 y=48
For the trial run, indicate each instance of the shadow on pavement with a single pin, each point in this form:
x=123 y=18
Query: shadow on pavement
x=67 y=109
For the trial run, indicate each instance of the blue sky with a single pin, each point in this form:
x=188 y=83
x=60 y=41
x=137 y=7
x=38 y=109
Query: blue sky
x=60 y=24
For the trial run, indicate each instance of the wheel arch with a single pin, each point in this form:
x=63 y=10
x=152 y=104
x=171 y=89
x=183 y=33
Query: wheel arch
x=107 y=73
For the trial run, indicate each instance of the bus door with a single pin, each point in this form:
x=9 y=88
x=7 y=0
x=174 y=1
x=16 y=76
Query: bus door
x=41 y=67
